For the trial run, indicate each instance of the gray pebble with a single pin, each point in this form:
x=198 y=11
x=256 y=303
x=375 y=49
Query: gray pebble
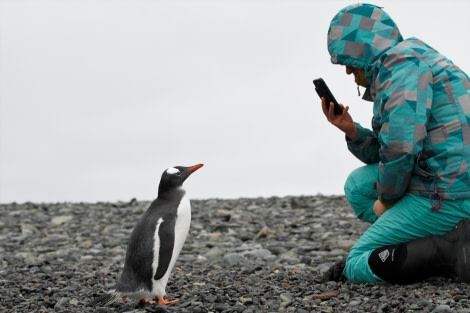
x=233 y=259
x=443 y=308
x=61 y=219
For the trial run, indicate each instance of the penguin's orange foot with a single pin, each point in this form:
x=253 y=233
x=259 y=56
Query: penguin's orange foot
x=145 y=300
x=163 y=301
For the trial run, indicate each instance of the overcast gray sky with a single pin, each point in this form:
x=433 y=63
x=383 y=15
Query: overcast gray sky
x=98 y=97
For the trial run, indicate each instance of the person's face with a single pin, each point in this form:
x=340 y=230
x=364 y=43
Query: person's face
x=359 y=75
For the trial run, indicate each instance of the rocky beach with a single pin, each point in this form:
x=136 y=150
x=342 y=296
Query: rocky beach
x=244 y=255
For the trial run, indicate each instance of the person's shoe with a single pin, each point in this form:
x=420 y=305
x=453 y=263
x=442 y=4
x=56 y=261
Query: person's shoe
x=334 y=273
x=460 y=235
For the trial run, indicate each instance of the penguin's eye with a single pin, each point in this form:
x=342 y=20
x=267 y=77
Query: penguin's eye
x=178 y=174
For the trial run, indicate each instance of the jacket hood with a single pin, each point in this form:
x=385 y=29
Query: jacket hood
x=359 y=34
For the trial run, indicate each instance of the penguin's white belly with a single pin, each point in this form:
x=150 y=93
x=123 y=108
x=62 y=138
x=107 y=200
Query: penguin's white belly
x=182 y=224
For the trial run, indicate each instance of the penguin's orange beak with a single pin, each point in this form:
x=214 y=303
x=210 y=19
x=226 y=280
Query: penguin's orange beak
x=194 y=168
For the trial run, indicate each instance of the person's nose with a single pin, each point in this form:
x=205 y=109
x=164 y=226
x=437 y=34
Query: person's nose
x=349 y=70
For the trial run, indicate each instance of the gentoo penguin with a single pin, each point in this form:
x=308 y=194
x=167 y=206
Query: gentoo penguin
x=155 y=242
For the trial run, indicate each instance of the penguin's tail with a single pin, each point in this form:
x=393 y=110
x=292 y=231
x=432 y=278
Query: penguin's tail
x=105 y=299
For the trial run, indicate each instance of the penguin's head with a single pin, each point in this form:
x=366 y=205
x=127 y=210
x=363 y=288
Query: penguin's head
x=174 y=177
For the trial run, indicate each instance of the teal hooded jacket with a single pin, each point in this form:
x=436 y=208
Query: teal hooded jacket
x=420 y=132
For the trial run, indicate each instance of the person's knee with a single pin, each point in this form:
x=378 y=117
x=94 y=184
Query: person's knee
x=360 y=192
x=361 y=181
x=350 y=184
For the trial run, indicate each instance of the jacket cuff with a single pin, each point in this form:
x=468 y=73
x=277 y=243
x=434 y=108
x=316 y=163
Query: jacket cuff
x=388 y=205
x=360 y=136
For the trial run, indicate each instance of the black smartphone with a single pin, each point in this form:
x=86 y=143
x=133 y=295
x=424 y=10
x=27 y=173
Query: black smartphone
x=323 y=91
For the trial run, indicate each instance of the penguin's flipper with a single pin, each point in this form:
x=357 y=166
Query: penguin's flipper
x=166 y=233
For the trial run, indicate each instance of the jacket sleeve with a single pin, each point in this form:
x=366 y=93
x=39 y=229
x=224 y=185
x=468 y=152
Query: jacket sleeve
x=403 y=102
x=366 y=146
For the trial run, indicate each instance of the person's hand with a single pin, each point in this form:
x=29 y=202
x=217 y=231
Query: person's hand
x=343 y=121
x=379 y=208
